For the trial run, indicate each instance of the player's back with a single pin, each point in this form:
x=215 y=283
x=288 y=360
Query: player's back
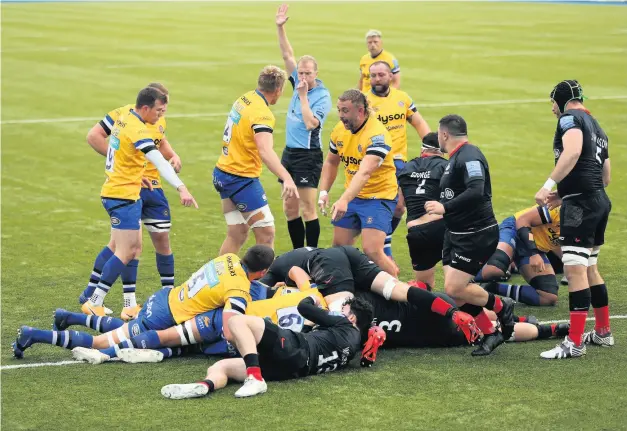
x=249 y=114
x=546 y=236
x=393 y=111
x=332 y=348
x=420 y=182
x=222 y=279
x=157 y=133
x=372 y=139
x=125 y=163
x=282 y=308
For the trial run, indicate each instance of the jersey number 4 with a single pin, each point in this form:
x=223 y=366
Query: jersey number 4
x=110 y=159
x=228 y=130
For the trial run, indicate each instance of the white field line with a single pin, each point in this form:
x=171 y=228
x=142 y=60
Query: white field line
x=223 y=114
x=57 y=364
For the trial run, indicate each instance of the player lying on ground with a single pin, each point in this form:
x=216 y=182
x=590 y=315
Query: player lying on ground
x=346 y=269
x=283 y=354
x=222 y=282
x=407 y=326
x=205 y=329
x=525 y=238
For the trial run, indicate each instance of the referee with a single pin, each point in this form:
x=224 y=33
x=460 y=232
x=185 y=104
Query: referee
x=471 y=231
x=302 y=156
x=582 y=171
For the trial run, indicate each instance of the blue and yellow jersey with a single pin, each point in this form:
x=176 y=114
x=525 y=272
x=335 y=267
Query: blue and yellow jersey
x=371 y=139
x=223 y=282
x=250 y=114
x=125 y=163
x=367 y=60
x=282 y=308
x=394 y=110
x=157 y=133
x=546 y=235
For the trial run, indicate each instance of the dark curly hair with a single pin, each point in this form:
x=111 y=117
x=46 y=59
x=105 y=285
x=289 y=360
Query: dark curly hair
x=362 y=310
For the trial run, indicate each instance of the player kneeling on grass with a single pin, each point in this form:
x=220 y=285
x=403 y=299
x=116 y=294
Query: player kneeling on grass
x=222 y=282
x=283 y=354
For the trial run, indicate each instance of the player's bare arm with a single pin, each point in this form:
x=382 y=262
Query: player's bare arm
x=97 y=139
x=419 y=124
x=286 y=49
x=327 y=178
x=396 y=81
x=170 y=155
x=264 y=143
x=524 y=223
x=573 y=143
x=368 y=165
x=300 y=277
x=607 y=173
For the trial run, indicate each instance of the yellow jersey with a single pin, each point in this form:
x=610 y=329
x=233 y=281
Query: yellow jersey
x=367 y=60
x=282 y=308
x=125 y=163
x=250 y=114
x=394 y=111
x=546 y=235
x=223 y=282
x=157 y=132
x=371 y=139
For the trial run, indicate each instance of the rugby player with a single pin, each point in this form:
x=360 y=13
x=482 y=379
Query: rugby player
x=525 y=239
x=374 y=43
x=246 y=143
x=394 y=108
x=283 y=354
x=419 y=181
x=131 y=146
x=155 y=213
x=471 y=233
x=363 y=144
x=406 y=325
x=342 y=271
x=302 y=156
x=582 y=170
x=222 y=282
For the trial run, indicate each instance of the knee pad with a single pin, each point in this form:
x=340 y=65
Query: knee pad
x=575 y=256
x=500 y=259
x=594 y=256
x=545 y=283
x=234 y=218
x=266 y=221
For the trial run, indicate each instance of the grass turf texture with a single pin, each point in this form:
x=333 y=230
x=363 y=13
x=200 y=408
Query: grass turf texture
x=81 y=60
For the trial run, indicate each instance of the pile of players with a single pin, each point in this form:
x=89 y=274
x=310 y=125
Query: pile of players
x=221 y=308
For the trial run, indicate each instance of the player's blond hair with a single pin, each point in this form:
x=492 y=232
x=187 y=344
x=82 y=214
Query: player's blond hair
x=373 y=33
x=271 y=79
x=310 y=59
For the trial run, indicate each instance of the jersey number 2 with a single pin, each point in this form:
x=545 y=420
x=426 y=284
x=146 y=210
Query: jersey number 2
x=420 y=189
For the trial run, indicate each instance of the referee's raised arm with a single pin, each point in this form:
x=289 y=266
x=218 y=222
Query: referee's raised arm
x=302 y=157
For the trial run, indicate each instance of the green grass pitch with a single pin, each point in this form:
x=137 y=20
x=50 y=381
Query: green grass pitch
x=79 y=60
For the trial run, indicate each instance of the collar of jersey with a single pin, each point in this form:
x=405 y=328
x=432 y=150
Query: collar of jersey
x=376 y=95
x=457 y=148
x=380 y=52
x=137 y=115
x=360 y=127
x=261 y=95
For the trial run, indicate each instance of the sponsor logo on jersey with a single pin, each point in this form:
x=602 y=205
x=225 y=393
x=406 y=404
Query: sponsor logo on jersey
x=448 y=193
x=155 y=182
x=219 y=266
x=206 y=321
x=401 y=103
x=465 y=259
x=556 y=152
x=166 y=213
x=339 y=144
x=350 y=160
x=161 y=130
x=387 y=118
x=359 y=148
x=135 y=330
x=369 y=220
x=230 y=266
x=225 y=150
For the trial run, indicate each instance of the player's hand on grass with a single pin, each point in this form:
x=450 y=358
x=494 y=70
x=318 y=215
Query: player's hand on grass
x=146 y=183
x=537 y=263
x=434 y=207
x=186 y=197
x=281 y=15
x=339 y=209
x=302 y=88
x=175 y=162
x=289 y=189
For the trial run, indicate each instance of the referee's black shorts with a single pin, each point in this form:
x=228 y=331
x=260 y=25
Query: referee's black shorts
x=305 y=166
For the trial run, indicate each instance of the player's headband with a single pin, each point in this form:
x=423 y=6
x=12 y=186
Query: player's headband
x=566 y=91
x=430 y=142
